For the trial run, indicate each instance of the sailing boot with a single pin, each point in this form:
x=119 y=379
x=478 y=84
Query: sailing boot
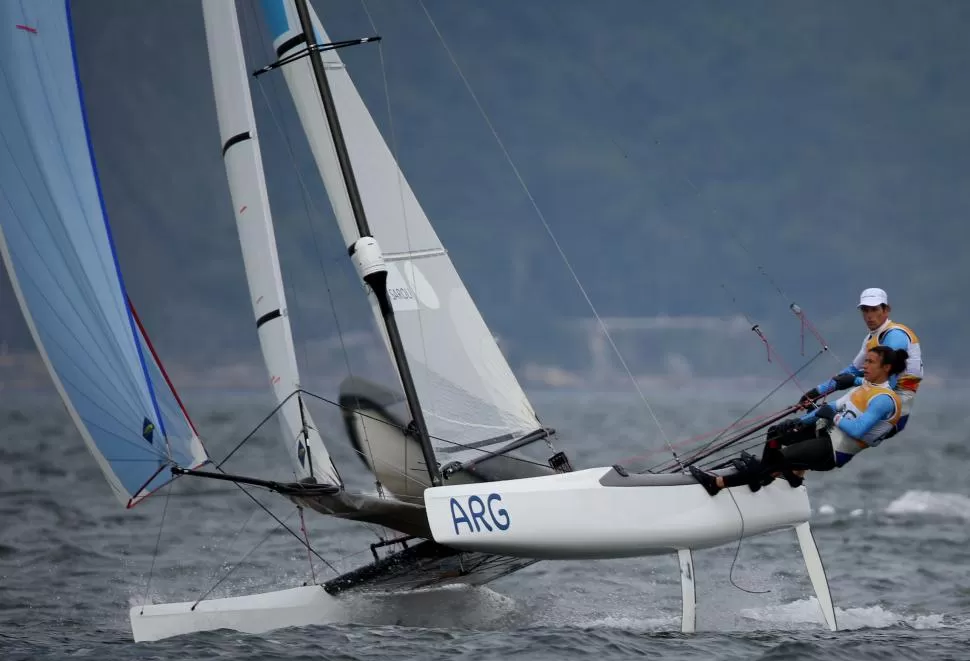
x=794 y=480
x=747 y=464
x=743 y=475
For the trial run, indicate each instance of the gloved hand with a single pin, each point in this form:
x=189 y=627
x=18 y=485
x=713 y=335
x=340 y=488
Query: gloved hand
x=826 y=412
x=782 y=428
x=844 y=381
x=808 y=398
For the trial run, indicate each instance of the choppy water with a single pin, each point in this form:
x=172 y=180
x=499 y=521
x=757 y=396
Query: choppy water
x=892 y=528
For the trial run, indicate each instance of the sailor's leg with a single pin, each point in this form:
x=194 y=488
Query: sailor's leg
x=688 y=620
x=816 y=572
x=780 y=436
x=777 y=438
x=815 y=454
x=748 y=471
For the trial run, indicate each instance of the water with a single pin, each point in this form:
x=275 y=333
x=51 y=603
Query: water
x=892 y=528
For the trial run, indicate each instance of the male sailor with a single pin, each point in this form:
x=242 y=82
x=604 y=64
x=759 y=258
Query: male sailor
x=875 y=309
x=828 y=437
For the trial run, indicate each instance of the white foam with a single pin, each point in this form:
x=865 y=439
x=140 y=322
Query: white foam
x=808 y=611
x=931 y=502
x=631 y=623
x=139 y=600
x=442 y=606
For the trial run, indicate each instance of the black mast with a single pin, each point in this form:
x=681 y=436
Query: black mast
x=377 y=280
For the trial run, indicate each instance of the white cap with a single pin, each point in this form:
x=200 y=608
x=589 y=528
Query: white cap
x=873 y=297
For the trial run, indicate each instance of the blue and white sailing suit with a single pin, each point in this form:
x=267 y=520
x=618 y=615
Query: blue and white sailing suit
x=864 y=417
x=894 y=336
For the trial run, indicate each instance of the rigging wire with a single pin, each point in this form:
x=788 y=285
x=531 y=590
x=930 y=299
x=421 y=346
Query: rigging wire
x=311 y=212
x=548 y=228
x=285 y=527
x=235 y=538
x=367 y=416
x=756 y=328
x=239 y=564
x=694 y=455
x=158 y=541
x=455 y=444
x=788 y=410
x=738 y=424
x=737 y=551
x=425 y=400
x=306 y=538
x=281 y=525
x=793 y=306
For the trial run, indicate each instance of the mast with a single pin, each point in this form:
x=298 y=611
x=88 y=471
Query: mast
x=366 y=253
x=242 y=159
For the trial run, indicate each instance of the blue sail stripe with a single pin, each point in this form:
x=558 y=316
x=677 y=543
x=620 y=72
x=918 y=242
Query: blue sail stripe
x=51 y=343
x=279 y=23
x=96 y=324
x=64 y=265
x=26 y=279
x=275 y=13
x=56 y=89
x=94 y=337
x=104 y=212
x=106 y=272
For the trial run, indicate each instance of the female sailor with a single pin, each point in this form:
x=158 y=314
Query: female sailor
x=828 y=437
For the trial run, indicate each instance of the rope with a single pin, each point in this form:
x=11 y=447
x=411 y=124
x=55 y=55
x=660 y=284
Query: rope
x=306 y=538
x=158 y=541
x=545 y=224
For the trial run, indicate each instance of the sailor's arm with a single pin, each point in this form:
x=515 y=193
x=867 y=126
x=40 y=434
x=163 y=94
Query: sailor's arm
x=849 y=377
x=808 y=418
x=881 y=407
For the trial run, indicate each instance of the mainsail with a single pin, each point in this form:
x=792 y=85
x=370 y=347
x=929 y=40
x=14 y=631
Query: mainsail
x=247 y=185
x=57 y=246
x=469 y=395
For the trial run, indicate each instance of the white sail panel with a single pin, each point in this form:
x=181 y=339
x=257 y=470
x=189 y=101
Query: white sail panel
x=247 y=185
x=57 y=247
x=468 y=392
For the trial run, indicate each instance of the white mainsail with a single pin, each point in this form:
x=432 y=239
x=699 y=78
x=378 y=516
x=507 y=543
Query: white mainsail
x=470 y=397
x=247 y=185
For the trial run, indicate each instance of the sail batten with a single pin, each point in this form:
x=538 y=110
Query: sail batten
x=57 y=246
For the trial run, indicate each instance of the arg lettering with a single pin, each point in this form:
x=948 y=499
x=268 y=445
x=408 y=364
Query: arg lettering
x=479 y=515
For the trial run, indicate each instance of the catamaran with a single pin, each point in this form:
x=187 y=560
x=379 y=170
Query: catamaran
x=454 y=443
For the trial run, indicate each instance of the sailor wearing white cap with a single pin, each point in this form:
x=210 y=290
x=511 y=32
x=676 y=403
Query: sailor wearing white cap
x=875 y=309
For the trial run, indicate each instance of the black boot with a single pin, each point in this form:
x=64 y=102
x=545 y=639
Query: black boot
x=794 y=480
x=748 y=471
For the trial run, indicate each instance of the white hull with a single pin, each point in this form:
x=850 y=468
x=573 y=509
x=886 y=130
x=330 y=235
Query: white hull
x=594 y=513
x=597 y=513
x=255 y=613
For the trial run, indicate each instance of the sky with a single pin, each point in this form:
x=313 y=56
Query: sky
x=704 y=159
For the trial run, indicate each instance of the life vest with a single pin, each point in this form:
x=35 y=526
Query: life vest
x=854 y=403
x=913 y=373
